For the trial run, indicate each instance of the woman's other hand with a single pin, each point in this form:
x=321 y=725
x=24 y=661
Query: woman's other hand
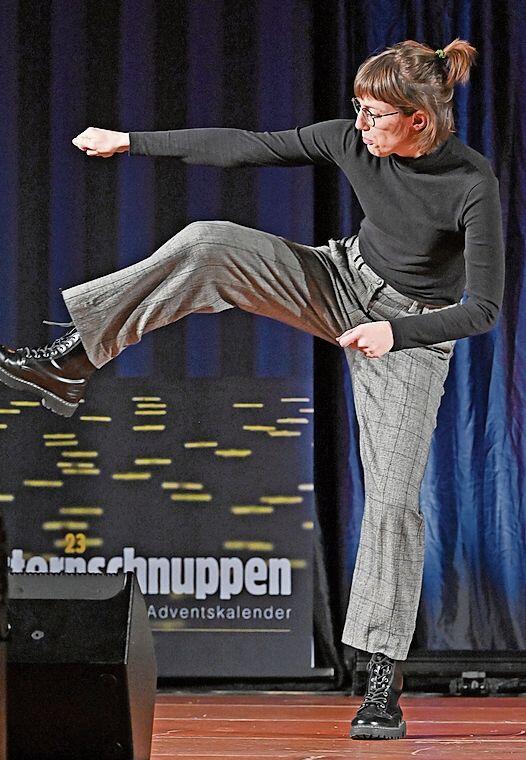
x=374 y=339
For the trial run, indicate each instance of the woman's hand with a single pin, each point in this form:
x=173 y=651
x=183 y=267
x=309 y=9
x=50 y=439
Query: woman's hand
x=374 y=339
x=102 y=142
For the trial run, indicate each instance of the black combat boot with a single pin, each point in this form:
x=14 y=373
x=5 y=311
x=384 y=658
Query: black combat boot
x=380 y=715
x=58 y=372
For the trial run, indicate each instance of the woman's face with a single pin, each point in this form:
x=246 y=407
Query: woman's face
x=395 y=133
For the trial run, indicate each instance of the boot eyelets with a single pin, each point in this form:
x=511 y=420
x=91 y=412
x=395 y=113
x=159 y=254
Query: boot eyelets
x=58 y=347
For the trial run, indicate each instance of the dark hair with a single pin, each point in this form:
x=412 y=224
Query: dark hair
x=412 y=76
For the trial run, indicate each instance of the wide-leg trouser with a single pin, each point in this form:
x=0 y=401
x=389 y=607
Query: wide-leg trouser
x=215 y=265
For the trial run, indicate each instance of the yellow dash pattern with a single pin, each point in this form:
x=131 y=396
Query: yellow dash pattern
x=9 y=411
x=131 y=475
x=233 y=452
x=146 y=398
x=259 y=427
x=189 y=486
x=283 y=433
x=93 y=418
x=171 y=625
x=294 y=420
x=307 y=525
x=43 y=483
x=298 y=564
x=150 y=412
x=260 y=546
x=25 y=403
x=255 y=405
x=81 y=511
x=304 y=400
x=4 y=497
x=190 y=497
x=61 y=436
x=151 y=406
x=61 y=542
x=306 y=487
x=80 y=454
x=281 y=499
x=200 y=444
x=143 y=428
x=61 y=443
x=80 y=472
x=3 y=426
x=65 y=524
x=153 y=461
x=80 y=465
x=251 y=510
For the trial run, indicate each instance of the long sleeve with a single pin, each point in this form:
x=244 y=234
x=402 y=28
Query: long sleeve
x=321 y=143
x=484 y=265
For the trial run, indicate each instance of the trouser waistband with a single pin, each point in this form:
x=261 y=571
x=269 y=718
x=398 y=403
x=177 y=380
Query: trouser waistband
x=410 y=303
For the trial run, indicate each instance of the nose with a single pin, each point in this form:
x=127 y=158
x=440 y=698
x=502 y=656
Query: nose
x=363 y=125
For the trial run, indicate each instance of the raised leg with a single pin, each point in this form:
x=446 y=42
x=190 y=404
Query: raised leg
x=209 y=267
x=206 y=267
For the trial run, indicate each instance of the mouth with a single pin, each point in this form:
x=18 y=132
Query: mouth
x=368 y=142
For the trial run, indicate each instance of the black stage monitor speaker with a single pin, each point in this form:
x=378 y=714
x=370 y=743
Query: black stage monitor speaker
x=81 y=670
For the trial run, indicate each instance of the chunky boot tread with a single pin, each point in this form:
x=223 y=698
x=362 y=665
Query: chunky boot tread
x=372 y=732
x=56 y=404
x=380 y=715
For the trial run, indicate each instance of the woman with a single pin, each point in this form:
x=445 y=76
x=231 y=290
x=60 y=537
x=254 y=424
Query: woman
x=390 y=296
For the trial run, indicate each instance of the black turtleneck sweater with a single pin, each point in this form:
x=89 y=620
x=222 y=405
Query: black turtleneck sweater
x=432 y=225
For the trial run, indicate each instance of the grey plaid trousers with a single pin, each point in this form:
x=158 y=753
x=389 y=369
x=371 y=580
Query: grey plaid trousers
x=211 y=266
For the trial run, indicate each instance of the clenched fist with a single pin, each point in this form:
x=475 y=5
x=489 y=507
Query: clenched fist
x=102 y=142
x=374 y=339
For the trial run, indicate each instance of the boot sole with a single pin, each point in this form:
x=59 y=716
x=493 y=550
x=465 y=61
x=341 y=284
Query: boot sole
x=379 y=732
x=49 y=400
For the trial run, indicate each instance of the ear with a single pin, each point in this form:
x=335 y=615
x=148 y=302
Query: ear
x=419 y=120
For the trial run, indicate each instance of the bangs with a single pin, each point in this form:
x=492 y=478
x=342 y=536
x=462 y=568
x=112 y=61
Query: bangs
x=378 y=78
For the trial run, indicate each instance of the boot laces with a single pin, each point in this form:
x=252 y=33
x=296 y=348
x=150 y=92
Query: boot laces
x=381 y=671
x=58 y=347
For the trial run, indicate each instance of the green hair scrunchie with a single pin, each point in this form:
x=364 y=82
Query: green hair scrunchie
x=440 y=53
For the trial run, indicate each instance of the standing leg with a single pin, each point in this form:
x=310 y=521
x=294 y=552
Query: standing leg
x=397 y=399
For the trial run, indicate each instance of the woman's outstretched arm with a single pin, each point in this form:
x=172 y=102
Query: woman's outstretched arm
x=320 y=143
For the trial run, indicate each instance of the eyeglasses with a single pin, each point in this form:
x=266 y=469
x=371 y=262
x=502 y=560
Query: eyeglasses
x=369 y=117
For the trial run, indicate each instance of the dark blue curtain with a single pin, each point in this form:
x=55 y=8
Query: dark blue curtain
x=271 y=65
x=473 y=595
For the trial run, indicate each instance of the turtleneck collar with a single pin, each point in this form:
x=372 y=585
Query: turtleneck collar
x=427 y=161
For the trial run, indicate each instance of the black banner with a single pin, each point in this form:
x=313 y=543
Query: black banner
x=202 y=487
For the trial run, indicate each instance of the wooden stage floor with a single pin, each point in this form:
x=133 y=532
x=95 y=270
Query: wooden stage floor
x=314 y=726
